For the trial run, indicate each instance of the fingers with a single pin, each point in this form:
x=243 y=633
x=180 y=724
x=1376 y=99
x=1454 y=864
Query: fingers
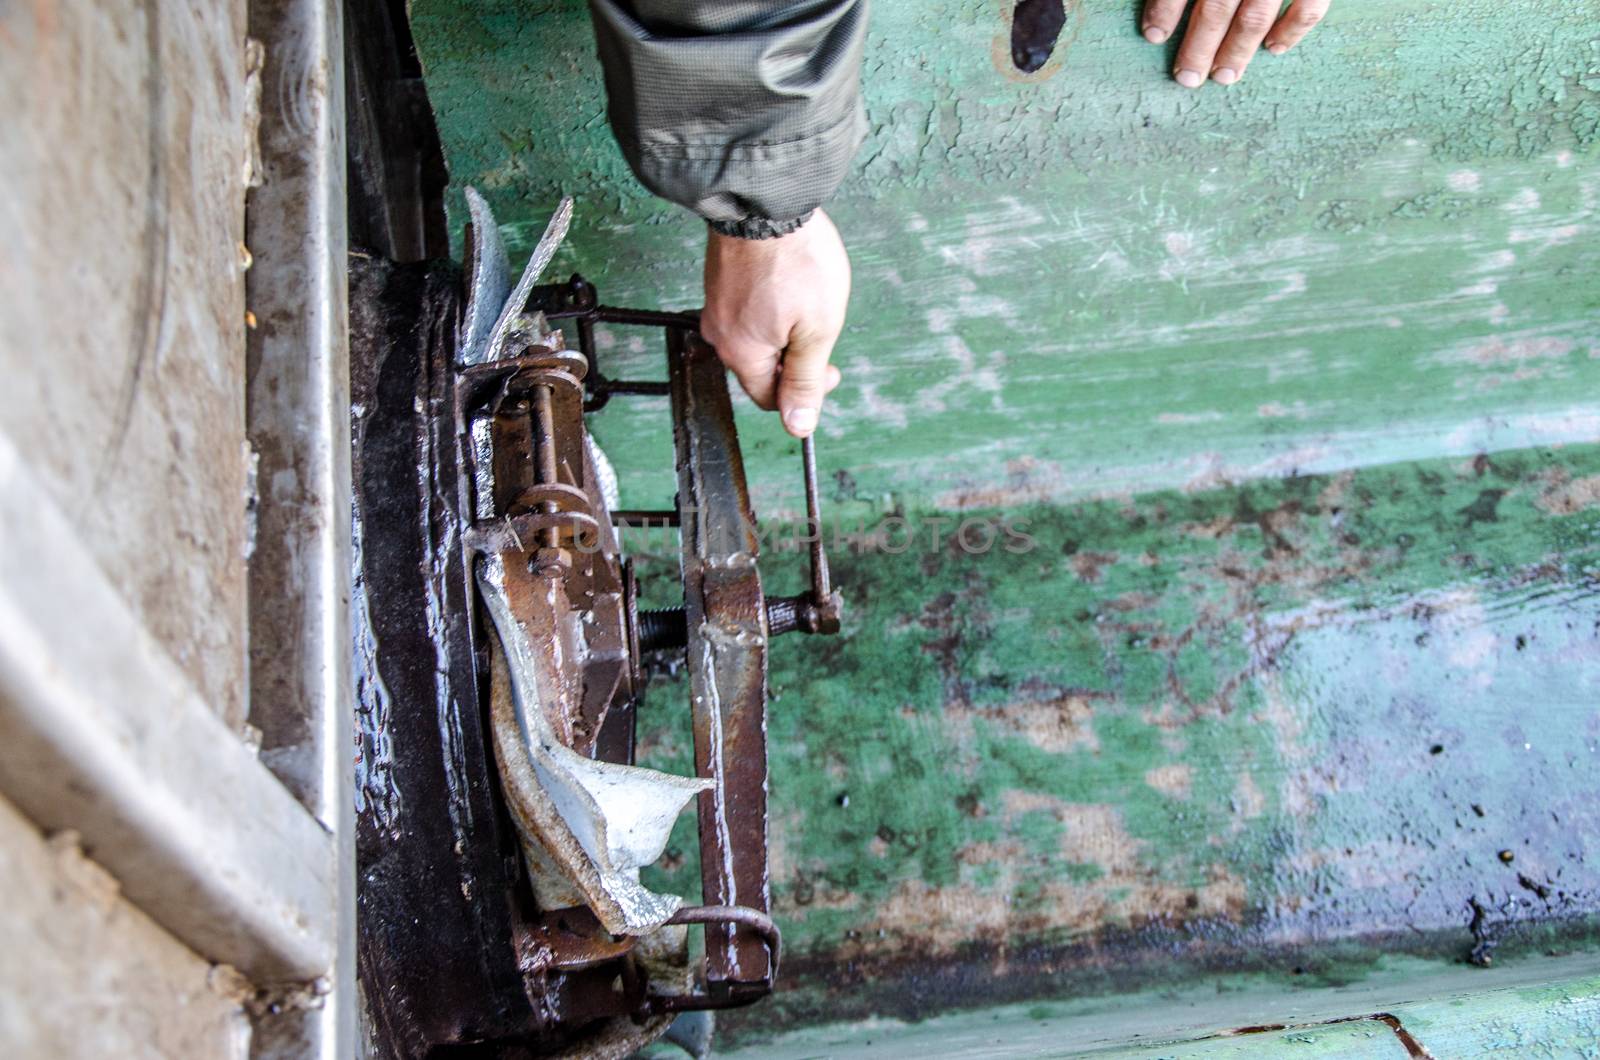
x=1295 y=24
x=806 y=378
x=759 y=371
x=754 y=364
x=1208 y=24
x=773 y=310
x=1250 y=24
x=1161 y=18
x=1224 y=35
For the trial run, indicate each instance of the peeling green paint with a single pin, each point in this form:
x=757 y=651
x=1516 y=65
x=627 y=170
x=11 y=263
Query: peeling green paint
x=1450 y=1012
x=962 y=678
x=1243 y=722
x=1560 y=1019
x=1376 y=248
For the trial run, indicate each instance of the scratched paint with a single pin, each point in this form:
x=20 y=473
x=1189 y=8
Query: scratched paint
x=1291 y=382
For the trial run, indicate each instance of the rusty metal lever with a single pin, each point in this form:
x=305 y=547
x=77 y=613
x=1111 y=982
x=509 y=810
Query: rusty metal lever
x=817 y=611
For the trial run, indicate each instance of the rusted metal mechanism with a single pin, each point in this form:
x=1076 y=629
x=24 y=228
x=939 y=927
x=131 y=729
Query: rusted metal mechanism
x=502 y=819
x=604 y=962
x=815 y=611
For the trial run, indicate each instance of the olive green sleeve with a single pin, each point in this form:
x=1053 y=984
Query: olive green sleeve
x=747 y=113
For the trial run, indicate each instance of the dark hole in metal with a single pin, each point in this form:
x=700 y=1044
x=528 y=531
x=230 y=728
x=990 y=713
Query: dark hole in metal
x=1035 y=26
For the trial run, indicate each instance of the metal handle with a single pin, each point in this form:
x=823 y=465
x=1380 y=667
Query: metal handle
x=731 y=995
x=817 y=611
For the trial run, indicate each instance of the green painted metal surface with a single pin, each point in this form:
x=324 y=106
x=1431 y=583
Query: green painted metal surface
x=1559 y=1019
x=1375 y=248
x=1250 y=726
x=1406 y=1007
x=1293 y=388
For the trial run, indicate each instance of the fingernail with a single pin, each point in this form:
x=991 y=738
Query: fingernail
x=800 y=420
x=1277 y=49
x=1190 y=78
x=1224 y=75
x=1155 y=34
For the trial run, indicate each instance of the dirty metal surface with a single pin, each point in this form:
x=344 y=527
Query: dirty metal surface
x=455 y=957
x=1406 y=1007
x=126 y=495
x=518 y=875
x=297 y=409
x=104 y=736
x=1266 y=371
x=396 y=168
x=727 y=660
x=87 y=973
x=125 y=199
x=436 y=928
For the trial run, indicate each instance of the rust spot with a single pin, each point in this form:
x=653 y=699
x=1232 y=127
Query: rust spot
x=1412 y=1046
x=1564 y=495
x=1088 y=565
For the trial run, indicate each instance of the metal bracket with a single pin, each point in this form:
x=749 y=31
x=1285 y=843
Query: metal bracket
x=816 y=611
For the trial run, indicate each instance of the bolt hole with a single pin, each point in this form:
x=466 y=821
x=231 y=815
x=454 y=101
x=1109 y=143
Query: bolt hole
x=1035 y=27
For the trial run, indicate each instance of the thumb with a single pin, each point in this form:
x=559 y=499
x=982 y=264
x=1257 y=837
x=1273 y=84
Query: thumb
x=803 y=382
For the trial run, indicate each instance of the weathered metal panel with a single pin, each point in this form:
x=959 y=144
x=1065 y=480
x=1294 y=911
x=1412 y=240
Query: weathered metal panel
x=1248 y=726
x=126 y=147
x=1560 y=1017
x=102 y=733
x=1546 y=1006
x=122 y=155
x=298 y=402
x=418 y=712
x=725 y=611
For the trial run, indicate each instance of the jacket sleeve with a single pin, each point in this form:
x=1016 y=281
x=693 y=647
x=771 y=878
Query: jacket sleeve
x=746 y=112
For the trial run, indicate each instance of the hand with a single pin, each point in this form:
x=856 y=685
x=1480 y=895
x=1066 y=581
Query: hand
x=774 y=309
x=1223 y=35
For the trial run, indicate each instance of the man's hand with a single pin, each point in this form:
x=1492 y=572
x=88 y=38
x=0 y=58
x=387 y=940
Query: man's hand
x=774 y=309
x=1223 y=35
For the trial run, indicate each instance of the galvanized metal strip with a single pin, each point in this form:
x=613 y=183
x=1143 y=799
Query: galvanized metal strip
x=298 y=417
x=489 y=283
x=727 y=655
x=549 y=243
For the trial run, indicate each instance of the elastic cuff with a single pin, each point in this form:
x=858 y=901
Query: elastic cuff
x=759 y=227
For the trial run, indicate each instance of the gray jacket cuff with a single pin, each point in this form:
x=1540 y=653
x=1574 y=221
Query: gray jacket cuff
x=746 y=113
x=759 y=227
